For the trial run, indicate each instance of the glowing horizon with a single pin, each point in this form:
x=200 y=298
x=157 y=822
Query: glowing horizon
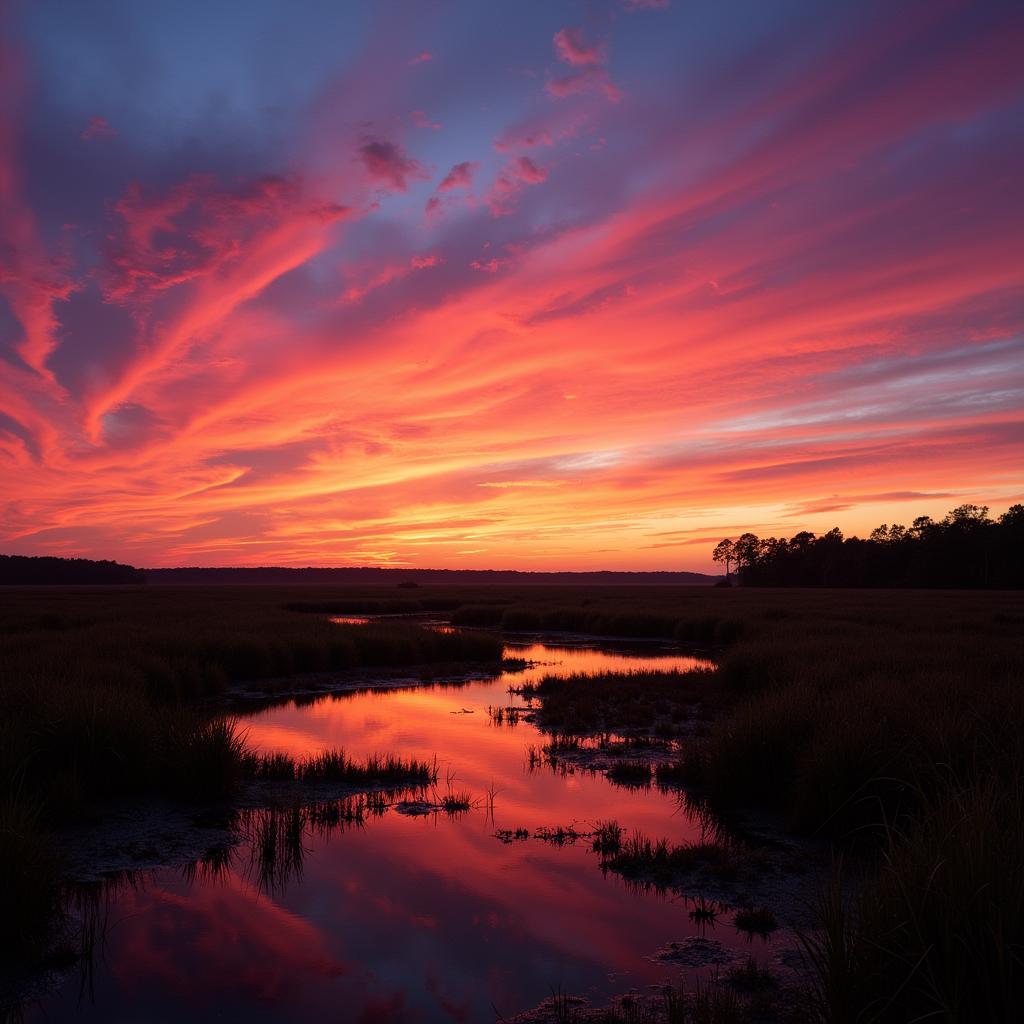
x=582 y=286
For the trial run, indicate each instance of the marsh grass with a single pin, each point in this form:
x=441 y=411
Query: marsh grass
x=664 y=865
x=938 y=929
x=509 y=716
x=456 y=801
x=30 y=895
x=337 y=766
x=559 y=835
x=205 y=758
x=607 y=838
x=512 y=835
x=703 y=912
x=618 y=702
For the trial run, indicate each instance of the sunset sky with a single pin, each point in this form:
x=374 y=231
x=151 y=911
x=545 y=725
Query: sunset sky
x=527 y=285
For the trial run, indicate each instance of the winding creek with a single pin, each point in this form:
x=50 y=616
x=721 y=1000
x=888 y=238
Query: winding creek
x=406 y=918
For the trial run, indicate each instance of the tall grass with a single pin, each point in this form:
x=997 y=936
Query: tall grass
x=337 y=766
x=663 y=864
x=937 y=931
x=30 y=893
x=615 y=701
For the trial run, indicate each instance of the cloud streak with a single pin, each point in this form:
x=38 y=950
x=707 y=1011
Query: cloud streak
x=728 y=301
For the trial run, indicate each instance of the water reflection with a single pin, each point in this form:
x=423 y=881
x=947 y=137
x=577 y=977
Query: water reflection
x=397 y=917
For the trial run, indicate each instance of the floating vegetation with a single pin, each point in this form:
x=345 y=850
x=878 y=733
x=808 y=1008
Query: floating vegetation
x=662 y=865
x=607 y=838
x=703 y=912
x=510 y=835
x=559 y=835
x=509 y=716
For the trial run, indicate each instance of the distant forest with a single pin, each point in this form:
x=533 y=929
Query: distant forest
x=965 y=549
x=22 y=569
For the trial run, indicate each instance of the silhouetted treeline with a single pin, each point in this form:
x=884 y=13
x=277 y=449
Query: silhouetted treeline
x=20 y=569
x=374 y=576
x=24 y=569
x=965 y=549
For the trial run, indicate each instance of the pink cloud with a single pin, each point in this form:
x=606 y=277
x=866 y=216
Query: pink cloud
x=546 y=127
x=523 y=140
x=386 y=275
x=588 y=60
x=420 y=119
x=632 y=6
x=32 y=279
x=573 y=49
x=460 y=176
x=195 y=229
x=98 y=128
x=386 y=162
x=528 y=171
x=202 y=250
x=511 y=180
x=491 y=266
x=422 y=58
x=587 y=79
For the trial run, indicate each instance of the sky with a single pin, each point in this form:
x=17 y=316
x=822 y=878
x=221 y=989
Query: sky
x=584 y=285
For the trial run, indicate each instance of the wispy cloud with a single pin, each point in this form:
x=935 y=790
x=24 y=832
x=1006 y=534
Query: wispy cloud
x=776 y=285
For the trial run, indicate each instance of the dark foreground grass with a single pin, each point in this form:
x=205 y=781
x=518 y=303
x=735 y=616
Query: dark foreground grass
x=888 y=721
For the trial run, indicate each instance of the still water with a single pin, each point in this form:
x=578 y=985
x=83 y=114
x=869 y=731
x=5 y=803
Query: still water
x=407 y=918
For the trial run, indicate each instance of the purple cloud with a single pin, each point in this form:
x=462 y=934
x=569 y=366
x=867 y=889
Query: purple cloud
x=386 y=162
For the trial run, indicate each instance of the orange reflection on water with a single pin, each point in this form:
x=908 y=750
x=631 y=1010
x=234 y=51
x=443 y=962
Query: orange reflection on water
x=452 y=724
x=562 y=661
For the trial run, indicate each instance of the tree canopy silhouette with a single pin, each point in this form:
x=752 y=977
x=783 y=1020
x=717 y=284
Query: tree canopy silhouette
x=965 y=549
x=25 y=569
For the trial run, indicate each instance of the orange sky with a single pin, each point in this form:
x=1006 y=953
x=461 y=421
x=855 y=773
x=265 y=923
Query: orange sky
x=580 y=305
